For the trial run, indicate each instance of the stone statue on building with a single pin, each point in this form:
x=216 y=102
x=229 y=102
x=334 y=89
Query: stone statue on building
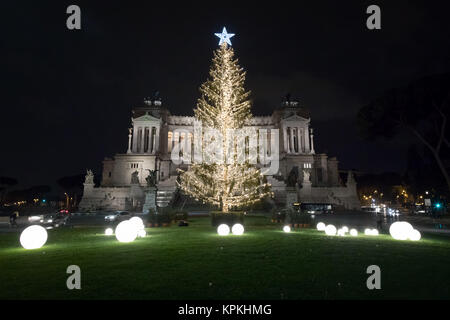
x=89 y=178
x=135 y=178
x=151 y=178
x=306 y=175
x=350 y=178
x=292 y=178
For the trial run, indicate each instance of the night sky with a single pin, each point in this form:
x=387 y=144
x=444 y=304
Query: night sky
x=67 y=95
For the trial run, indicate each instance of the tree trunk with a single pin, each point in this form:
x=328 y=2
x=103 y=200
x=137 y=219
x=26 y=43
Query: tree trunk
x=442 y=167
x=435 y=152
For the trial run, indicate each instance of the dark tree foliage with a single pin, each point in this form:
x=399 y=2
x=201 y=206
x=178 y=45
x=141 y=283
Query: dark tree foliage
x=7 y=181
x=71 y=182
x=28 y=194
x=383 y=183
x=421 y=108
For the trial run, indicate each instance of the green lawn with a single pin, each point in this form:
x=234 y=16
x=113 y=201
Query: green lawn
x=195 y=263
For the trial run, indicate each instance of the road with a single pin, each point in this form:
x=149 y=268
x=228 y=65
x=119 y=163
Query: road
x=360 y=221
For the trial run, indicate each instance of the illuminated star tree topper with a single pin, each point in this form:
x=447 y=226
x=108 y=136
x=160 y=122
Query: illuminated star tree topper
x=224 y=37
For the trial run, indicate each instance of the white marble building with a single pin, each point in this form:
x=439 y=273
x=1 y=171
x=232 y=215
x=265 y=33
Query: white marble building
x=154 y=134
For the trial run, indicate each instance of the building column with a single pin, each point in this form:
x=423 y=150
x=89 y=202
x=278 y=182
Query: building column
x=302 y=140
x=307 y=143
x=156 y=142
x=186 y=151
x=150 y=140
x=312 y=140
x=285 y=139
x=142 y=139
x=291 y=137
x=135 y=139
x=130 y=130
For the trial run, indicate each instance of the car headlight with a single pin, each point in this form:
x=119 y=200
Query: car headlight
x=50 y=220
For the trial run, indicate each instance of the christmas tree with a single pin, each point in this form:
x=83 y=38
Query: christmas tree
x=224 y=106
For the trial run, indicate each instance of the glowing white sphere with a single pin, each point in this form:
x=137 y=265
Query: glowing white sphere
x=287 y=229
x=371 y=232
x=138 y=223
x=223 y=230
x=126 y=231
x=353 y=232
x=109 y=231
x=33 y=237
x=345 y=228
x=330 y=230
x=237 y=229
x=142 y=233
x=400 y=230
x=415 y=235
x=321 y=226
x=341 y=232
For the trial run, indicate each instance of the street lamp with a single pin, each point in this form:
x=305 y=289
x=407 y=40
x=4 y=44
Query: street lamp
x=67 y=200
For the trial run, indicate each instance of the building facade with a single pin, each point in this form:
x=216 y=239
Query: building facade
x=300 y=173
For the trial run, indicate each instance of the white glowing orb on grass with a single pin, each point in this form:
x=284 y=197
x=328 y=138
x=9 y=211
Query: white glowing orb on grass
x=142 y=233
x=321 y=226
x=400 y=230
x=415 y=235
x=138 y=223
x=287 y=229
x=353 y=232
x=341 y=232
x=126 y=231
x=371 y=232
x=237 y=229
x=109 y=231
x=223 y=230
x=345 y=229
x=33 y=237
x=330 y=230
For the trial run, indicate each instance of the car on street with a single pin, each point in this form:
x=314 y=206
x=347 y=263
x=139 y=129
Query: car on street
x=118 y=216
x=55 y=220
